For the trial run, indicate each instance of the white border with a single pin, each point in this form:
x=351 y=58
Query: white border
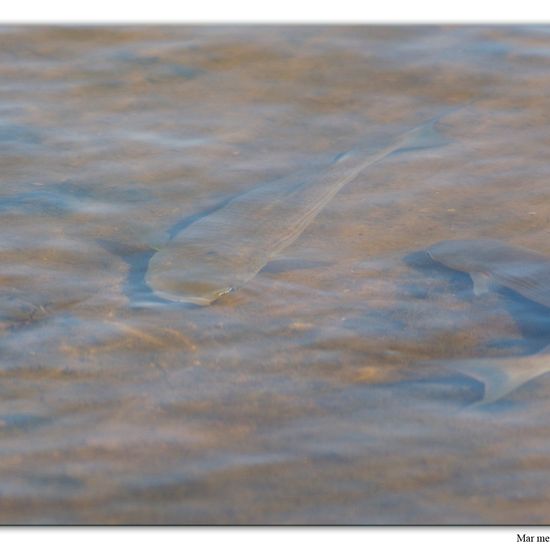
x=276 y=11
x=358 y=538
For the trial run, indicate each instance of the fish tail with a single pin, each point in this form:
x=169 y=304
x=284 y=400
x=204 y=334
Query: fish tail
x=428 y=135
x=425 y=136
x=500 y=376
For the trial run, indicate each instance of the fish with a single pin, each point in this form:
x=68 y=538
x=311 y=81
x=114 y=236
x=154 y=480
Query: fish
x=223 y=251
x=491 y=264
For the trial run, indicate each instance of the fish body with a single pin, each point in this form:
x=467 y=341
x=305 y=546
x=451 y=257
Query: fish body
x=224 y=250
x=491 y=262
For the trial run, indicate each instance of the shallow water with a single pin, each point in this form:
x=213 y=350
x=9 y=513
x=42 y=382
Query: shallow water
x=305 y=396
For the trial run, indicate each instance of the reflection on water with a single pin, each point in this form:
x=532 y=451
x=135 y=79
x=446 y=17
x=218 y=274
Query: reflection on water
x=310 y=394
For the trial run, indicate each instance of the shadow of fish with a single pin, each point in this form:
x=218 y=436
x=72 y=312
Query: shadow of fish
x=493 y=263
x=223 y=251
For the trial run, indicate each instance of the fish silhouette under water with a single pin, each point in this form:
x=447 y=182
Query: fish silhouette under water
x=493 y=263
x=224 y=250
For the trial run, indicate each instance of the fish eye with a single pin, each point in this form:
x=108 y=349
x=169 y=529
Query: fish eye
x=224 y=291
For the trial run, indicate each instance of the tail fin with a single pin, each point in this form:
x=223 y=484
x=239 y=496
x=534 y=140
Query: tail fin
x=425 y=136
x=501 y=376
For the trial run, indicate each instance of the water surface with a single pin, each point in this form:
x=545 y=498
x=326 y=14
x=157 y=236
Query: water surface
x=304 y=397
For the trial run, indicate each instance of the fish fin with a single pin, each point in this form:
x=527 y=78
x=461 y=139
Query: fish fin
x=482 y=283
x=501 y=375
x=426 y=136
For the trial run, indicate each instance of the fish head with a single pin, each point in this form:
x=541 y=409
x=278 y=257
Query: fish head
x=470 y=255
x=465 y=255
x=199 y=296
x=444 y=251
x=190 y=276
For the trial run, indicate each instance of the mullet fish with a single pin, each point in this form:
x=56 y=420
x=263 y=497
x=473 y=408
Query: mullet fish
x=493 y=263
x=221 y=252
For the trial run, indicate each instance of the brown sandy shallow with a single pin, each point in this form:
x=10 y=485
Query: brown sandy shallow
x=301 y=397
